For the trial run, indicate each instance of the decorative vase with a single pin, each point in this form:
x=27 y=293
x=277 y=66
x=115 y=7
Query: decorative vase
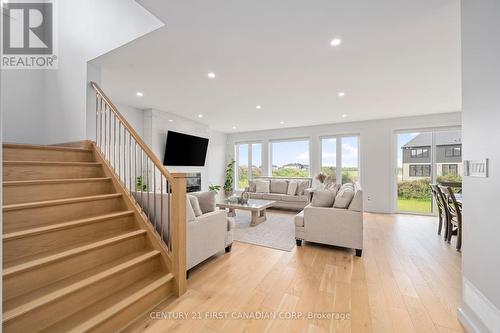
x=244 y=198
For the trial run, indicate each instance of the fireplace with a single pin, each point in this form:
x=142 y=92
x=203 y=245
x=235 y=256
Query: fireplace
x=193 y=182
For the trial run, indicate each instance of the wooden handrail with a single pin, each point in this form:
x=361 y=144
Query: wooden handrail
x=134 y=134
x=174 y=191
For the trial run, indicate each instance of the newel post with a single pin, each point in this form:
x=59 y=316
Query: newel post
x=179 y=232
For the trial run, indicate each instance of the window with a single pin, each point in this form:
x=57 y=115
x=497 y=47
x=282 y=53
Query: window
x=242 y=165
x=329 y=158
x=290 y=158
x=256 y=160
x=419 y=152
x=450 y=169
x=453 y=152
x=247 y=154
x=340 y=158
x=420 y=170
x=350 y=159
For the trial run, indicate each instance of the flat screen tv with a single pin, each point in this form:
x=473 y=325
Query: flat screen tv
x=185 y=150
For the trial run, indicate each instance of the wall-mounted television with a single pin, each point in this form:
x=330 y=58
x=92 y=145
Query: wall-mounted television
x=185 y=150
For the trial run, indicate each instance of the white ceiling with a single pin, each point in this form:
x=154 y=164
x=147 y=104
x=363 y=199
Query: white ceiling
x=397 y=58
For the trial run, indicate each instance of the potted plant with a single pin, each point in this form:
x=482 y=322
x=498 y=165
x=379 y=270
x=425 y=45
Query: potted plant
x=214 y=188
x=140 y=185
x=229 y=183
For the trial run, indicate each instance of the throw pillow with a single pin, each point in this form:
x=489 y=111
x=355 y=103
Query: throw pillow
x=344 y=197
x=190 y=215
x=301 y=186
x=347 y=185
x=333 y=186
x=357 y=202
x=251 y=186
x=279 y=186
x=195 y=204
x=292 y=188
x=333 y=189
x=323 y=198
x=206 y=201
x=262 y=186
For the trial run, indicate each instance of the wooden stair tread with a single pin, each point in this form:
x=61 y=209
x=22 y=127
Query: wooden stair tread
x=54 y=181
x=80 y=256
x=65 y=225
x=88 y=318
x=42 y=147
x=56 y=202
x=22 y=265
x=56 y=163
x=30 y=301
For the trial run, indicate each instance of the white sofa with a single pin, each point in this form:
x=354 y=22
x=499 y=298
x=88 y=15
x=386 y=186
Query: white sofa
x=333 y=226
x=296 y=201
x=207 y=234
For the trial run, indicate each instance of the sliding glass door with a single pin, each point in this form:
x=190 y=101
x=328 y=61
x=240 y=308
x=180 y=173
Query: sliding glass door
x=414 y=173
x=425 y=157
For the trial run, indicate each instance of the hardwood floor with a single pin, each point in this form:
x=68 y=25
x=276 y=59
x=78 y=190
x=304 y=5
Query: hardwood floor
x=408 y=280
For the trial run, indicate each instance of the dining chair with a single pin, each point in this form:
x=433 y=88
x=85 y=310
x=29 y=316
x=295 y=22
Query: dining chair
x=442 y=211
x=454 y=213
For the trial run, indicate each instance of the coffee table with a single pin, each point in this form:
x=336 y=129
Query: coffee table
x=256 y=206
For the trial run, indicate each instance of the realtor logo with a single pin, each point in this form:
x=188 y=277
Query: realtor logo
x=28 y=35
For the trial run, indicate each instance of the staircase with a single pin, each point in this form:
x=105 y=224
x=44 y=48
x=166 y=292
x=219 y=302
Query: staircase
x=75 y=255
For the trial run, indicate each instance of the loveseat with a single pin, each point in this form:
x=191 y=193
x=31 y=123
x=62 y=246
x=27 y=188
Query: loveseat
x=334 y=217
x=288 y=193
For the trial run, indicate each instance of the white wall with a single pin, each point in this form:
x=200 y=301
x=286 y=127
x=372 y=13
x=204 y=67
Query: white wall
x=481 y=137
x=23 y=111
x=157 y=124
x=86 y=30
x=134 y=116
x=377 y=149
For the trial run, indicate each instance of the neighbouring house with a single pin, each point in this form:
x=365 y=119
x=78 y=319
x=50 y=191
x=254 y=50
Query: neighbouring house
x=298 y=166
x=417 y=156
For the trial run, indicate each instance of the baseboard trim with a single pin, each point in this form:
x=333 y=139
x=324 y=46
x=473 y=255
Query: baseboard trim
x=477 y=314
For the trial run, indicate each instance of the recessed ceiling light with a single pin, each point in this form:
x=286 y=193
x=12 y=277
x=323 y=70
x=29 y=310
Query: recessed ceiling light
x=139 y=94
x=344 y=116
x=170 y=121
x=258 y=107
x=282 y=122
x=211 y=75
x=335 y=42
x=234 y=127
x=341 y=94
x=200 y=116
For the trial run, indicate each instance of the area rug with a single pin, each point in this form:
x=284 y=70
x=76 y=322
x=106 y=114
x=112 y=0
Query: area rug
x=277 y=232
